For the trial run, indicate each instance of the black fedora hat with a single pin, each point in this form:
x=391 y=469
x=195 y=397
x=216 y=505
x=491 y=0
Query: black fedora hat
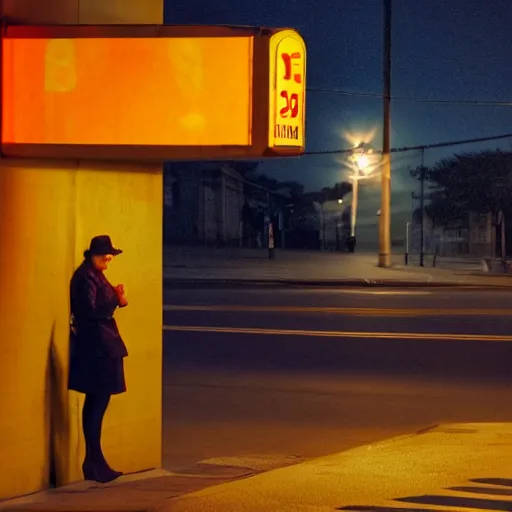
x=101 y=245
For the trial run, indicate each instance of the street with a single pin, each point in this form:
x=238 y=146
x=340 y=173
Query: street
x=264 y=377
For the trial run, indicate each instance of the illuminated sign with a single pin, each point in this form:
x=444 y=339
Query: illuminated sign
x=152 y=92
x=129 y=91
x=288 y=82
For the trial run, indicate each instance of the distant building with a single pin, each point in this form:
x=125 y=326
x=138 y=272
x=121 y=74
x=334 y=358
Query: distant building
x=203 y=204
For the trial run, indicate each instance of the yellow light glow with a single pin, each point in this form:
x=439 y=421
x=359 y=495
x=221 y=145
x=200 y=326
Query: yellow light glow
x=362 y=162
x=355 y=138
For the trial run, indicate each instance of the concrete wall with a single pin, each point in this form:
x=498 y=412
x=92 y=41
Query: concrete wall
x=83 y=11
x=48 y=213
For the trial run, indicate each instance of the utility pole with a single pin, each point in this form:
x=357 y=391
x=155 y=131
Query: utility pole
x=422 y=210
x=406 y=252
x=323 y=226
x=385 y=216
x=503 y=237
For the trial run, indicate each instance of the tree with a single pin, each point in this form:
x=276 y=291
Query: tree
x=338 y=191
x=473 y=182
x=295 y=188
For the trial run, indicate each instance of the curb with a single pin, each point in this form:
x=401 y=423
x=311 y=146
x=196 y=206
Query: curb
x=170 y=282
x=213 y=498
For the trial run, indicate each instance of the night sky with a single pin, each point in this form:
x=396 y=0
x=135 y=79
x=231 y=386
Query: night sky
x=458 y=50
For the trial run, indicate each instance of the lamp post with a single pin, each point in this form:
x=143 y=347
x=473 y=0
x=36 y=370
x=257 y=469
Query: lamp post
x=353 y=206
x=338 y=224
x=361 y=163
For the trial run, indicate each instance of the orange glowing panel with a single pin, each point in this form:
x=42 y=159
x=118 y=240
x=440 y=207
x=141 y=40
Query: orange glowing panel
x=287 y=90
x=138 y=91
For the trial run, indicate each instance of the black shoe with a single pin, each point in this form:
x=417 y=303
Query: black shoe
x=101 y=475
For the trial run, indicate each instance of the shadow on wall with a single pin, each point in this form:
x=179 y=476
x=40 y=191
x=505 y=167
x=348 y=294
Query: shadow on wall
x=57 y=415
x=487 y=494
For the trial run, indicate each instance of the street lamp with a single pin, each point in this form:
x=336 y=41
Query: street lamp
x=361 y=170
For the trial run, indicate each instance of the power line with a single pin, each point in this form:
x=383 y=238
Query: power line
x=329 y=152
x=448 y=144
x=416 y=148
x=466 y=103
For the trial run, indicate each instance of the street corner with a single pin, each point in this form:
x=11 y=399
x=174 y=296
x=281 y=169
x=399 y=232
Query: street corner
x=462 y=465
x=123 y=494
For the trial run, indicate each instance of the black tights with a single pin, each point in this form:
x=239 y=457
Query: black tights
x=93 y=412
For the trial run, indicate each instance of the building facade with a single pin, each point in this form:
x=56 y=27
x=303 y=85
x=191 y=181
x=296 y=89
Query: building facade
x=203 y=204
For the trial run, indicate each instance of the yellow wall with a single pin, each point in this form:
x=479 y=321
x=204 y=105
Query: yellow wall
x=127 y=204
x=48 y=213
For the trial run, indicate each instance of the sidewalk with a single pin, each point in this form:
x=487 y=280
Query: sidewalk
x=236 y=265
x=457 y=467
x=461 y=466
x=146 y=491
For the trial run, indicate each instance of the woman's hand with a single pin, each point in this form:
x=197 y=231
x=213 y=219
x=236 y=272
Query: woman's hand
x=121 y=294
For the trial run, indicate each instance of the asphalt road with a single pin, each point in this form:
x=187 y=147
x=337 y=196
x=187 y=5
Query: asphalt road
x=261 y=378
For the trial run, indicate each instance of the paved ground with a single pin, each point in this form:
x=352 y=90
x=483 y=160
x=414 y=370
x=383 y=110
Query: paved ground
x=257 y=379
x=452 y=467
x=458 y=467
x=278 y=375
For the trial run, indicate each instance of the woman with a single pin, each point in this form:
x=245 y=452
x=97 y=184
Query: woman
x=97 y=349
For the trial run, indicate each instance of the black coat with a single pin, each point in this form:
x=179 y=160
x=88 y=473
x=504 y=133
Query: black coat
x=93 y=302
